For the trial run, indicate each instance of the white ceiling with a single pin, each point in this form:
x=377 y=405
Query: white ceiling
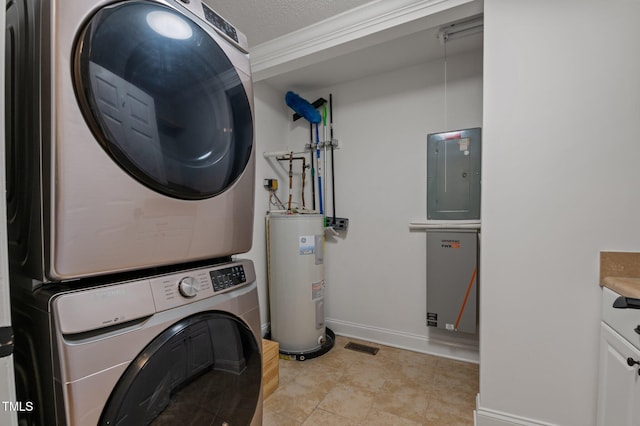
x=264 y=20
x=417 y=48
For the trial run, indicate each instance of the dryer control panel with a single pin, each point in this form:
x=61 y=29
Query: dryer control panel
x=219 y=22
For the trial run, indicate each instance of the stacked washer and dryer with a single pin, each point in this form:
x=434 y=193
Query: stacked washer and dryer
x=130 y=170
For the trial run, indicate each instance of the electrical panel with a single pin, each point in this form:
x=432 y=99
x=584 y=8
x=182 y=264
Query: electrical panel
x=453 y=175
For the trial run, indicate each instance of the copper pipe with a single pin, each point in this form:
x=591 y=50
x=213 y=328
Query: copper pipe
x=291 y=158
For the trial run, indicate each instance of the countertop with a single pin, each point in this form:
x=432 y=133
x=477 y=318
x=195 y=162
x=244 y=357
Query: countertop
x=620 y=272
x=425 y=225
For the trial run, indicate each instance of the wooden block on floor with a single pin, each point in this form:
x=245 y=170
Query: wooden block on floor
x=270 y=375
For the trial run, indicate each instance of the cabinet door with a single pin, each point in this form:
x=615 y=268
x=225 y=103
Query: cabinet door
x=619 y=383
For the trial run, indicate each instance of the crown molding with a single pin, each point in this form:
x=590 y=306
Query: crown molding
x=370 y=24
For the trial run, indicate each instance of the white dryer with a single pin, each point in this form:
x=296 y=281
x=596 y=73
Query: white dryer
x=182 y=347
x=130 y=136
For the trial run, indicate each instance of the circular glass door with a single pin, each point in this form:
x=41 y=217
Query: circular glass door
x=205 y=369
x=163 y=99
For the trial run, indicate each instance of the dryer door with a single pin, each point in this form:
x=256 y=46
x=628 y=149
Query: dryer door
x=205 y=369
x=163 y=99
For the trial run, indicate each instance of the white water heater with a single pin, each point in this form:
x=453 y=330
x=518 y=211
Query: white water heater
x=296 y=281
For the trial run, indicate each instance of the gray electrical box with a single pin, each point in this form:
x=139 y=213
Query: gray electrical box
x=453 y=175
x=452 y=277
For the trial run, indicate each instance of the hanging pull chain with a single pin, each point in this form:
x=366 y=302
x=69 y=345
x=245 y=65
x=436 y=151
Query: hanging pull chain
x=446 y=109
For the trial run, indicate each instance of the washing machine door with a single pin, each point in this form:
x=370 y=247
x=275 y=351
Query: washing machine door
x=205 y=369
x=163 y=99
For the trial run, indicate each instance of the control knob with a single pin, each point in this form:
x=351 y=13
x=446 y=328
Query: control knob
x=188 y=287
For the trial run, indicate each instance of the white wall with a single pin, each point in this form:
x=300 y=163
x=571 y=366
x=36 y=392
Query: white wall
x=7 y=387
x=271 y=127
x=560 y=184
x=376 y=272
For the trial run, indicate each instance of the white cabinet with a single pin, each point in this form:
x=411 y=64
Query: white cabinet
x=619 y=379
x=619 y=383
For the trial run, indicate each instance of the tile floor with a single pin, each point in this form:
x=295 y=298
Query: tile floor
x=393 y=387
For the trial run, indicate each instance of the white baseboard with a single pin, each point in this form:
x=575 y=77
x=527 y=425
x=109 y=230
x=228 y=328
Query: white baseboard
x=487 y=417
x=449 y=345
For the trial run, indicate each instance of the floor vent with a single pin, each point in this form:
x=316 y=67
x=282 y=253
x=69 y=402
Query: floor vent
x=362 y=348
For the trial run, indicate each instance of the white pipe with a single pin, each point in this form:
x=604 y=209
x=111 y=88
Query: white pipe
x=276 y=154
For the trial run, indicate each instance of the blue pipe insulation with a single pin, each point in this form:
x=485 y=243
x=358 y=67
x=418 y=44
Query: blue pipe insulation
x=302 y=107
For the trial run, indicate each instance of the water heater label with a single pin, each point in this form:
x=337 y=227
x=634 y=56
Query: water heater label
x=307 y=245
x=317 y=290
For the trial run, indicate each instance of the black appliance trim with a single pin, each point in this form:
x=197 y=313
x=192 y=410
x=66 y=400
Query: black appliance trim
x=6 y=341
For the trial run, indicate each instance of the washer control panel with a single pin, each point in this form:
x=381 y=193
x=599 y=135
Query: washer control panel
x=108 y=305
x=188 y=287
x=172 y=290
x=223 y=279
